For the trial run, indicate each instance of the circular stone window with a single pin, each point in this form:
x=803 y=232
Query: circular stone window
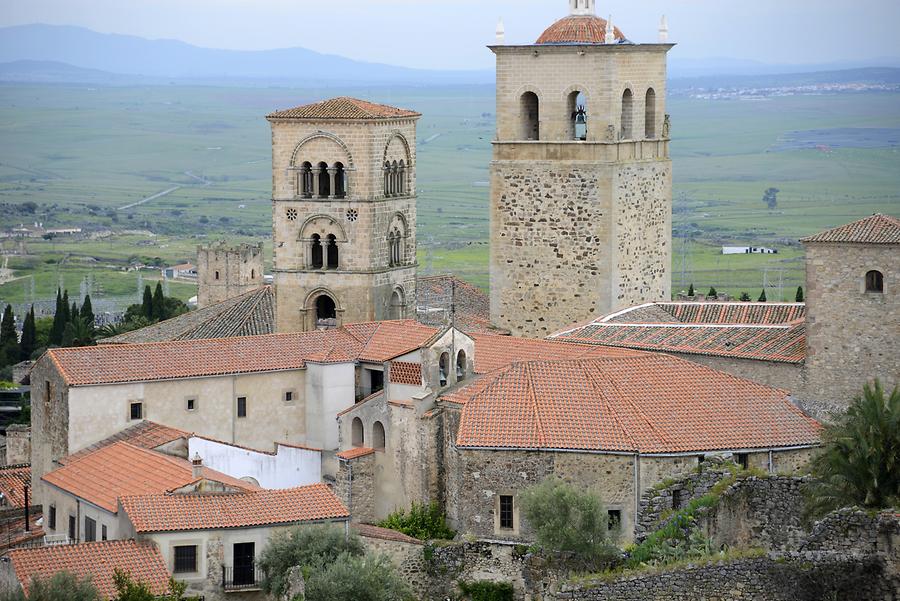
x=352 y=215
x=291 y=214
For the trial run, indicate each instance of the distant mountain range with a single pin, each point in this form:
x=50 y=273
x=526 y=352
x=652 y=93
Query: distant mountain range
x=65 y=54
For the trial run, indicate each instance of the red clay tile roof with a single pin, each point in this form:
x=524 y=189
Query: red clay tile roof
x=114 y=363
x=576 y=29
x=493 y=352
x=344 y=108
x=370 y=531
x=650 y=404
x=98 y=560
x=145 y=434
x=13 y=533
x=13 y=480
x=403 y=372
x=355 y=453
x=435 y=295
x=758 y=331
x=877 y=229
x=122 y=469
x=171 y=513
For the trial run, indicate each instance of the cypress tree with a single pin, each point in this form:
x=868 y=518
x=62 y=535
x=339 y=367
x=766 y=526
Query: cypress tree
x=799 y=297
x=29 y=336
x=762 y=297
x=147 y=304
x=712 y=293
x=159 y=303
x=59 y=320
x=67 y=310
x=87 y=311
x=691 y=290
x=73 y=313
x=8 y=328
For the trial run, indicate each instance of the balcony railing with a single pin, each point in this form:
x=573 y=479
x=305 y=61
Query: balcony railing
x=242 y=578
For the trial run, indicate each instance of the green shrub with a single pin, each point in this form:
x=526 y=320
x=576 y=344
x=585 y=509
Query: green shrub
x=485 y=590
x=424 y=522
x=354 y=578
x=62 y=586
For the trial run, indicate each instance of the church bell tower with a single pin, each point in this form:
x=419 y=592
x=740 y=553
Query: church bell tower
x=581 y=181
x=344 y=213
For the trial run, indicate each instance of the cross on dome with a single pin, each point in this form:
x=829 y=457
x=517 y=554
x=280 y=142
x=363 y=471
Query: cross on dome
x=582 y=7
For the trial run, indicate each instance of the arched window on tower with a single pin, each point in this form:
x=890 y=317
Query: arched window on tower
x=315 y=253
x=324 y=181
x=340 y=181
x=397 y=305
x=627 y=115
x=577 y=116
x=395 y=248
x=326 y=312
x=357 y=439
x=530 y=115
x=875 y=282
x=395 y=179
x=650 y=115
x=460 y=365
x=401 y=178
x=443 y=367
x=331 y=251
x=306 y=180
x=387 y=178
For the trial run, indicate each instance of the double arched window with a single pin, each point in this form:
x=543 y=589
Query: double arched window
x=395 y=178
x=395 y=248
x=322 y=180
x=323 y=252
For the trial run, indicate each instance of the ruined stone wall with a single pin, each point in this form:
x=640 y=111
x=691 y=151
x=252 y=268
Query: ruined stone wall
x=18 y=444
x=355 y=486
x=49 y=422
x=852 y=335
x=224 y=272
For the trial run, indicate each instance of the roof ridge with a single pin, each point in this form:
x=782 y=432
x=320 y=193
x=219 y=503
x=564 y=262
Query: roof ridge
x=593 y=383
x=529 y=379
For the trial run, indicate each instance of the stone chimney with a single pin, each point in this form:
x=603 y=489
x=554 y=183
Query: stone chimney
x=196 y=466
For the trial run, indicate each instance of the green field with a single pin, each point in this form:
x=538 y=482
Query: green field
x=83 y=153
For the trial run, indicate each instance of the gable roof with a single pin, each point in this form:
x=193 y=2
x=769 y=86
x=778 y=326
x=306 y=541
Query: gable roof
x=493 y=351
x=249 y=314
x=438 y=295
x=167 y=513
x=759 y=331
x=116 y=363
x=144 y=434
x=650 y=403
x=13 y=480
x=342 y=108
x=122 y=469
x=97 y=560
x=877 y=229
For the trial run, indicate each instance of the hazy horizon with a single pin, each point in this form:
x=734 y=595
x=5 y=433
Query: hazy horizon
x=452 y=35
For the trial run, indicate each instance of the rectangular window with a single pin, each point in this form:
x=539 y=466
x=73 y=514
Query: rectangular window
x=72 y=524
x=377 y=380
x=289 y=396
x=676 y=499
x=191 y=404
x=185 y=559
x=136 y=411
x=103 y=532
x=47 y=391
x=90 y=530
x=51 y=519
x=242 y=406
x=742 y=459
x=614 y=519
x=506 y=512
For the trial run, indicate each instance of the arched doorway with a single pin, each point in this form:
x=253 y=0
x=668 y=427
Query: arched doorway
x=326 y=312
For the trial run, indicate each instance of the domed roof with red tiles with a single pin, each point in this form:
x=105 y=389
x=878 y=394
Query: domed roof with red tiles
x=578 y=29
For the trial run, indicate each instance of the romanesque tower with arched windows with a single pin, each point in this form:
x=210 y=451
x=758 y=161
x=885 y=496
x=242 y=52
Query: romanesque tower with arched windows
x=344 y=213
x=581 y=190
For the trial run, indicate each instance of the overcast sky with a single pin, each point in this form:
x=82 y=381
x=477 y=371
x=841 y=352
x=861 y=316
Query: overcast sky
x=453 y=33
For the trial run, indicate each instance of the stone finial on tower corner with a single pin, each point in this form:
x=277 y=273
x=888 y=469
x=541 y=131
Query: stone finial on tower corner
x=501 y=33
x=664 y=30
x=610 y=31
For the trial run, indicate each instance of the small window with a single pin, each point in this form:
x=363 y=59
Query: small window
x=190 y=404
x=72 y=524
x=51 y=519
x=103 y=535
x=217 y=275
x=676 y=499
x=242 y=406
x=376 y=378
x=506 y=512
x=90 y=530
x=613 y=519
x=289 y=396
x=47 y=392
x=185 y=559
x=875 y=282
x=742 y=459
x=136 y=411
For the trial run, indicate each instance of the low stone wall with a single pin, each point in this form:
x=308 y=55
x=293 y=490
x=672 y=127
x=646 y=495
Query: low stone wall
x=759 y=579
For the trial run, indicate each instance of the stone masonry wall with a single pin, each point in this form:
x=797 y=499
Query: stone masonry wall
x=49 y=422
x=18 y=444
x=355 y=486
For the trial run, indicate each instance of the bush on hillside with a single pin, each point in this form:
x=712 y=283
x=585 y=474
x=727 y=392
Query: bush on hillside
x=424 y=522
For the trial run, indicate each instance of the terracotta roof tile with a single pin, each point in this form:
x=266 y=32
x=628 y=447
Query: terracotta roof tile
x=385 y=340
x=493 y=351
x=370 y=531
x=170 y=513
x=403 y=372
x=13 y=533
x=145 y=434
x=877 y=229
x=344 y=108
x=355 y=453
x=122 y=469
x=436 y=294
x=249 y=314
x=650 y=403
x=758 y=331
x=578 y=29
x=13 y=480
x=98 y=560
